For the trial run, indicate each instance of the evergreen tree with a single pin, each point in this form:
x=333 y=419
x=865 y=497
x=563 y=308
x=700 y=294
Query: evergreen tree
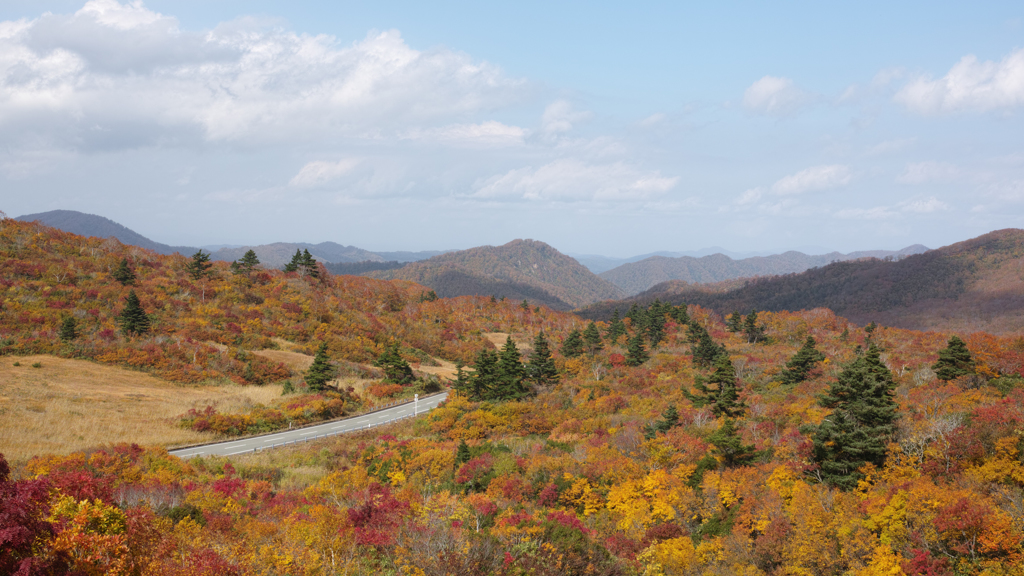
x=729 y=446
x=720 y=390
x=462 y=381
x=485 y=378
x=199 y=267
x=320 y=372
x=133 y=319
x=462 y=453
x=296 y=261
x=680 y=315
x=802 y=362
x=735 y=322
x=592 y=339
x=704 y=350
x=753 y=331
x=428 y=296
x=540 y=370
x=845 y=335
x=525 y=305
x=861 y=424
x=124 y=274
x=635 y=352
x=669 y=420
x=655 y=329
x=511 y=374
x=572 y=346
x=954 y=361
x=308 y=265
x=68 y=329
x=396 y=369
x=246 y=264
x=616 y=328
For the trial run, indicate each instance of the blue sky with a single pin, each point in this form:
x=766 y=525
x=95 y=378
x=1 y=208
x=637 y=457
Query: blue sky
x=615 y=129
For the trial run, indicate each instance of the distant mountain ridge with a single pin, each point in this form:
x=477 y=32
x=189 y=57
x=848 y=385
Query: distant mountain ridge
x=970 y=286
x=636 y=277
x=520 y=269
x=92 y=225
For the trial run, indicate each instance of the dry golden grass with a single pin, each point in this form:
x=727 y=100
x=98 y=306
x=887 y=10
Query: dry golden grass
x=68 y=405
x=294 y=360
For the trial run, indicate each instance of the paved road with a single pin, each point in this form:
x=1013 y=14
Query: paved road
x=248 y=445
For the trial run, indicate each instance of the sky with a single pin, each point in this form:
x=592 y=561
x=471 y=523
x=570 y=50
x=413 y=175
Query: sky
x=607 y=128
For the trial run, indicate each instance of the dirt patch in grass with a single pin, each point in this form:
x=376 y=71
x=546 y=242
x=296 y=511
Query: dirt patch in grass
x=68 y=405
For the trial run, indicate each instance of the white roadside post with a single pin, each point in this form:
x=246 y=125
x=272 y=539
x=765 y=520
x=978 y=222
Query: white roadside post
x=415 y=404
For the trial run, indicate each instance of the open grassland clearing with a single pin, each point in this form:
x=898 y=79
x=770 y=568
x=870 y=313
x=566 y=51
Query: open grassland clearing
x=68 y=405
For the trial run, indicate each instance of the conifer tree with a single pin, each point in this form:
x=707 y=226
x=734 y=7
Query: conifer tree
x=572 y=346
x=719 y=391
x=735 y=322
x=636 y=354
x=462 y=453
x=296 y=261
x=462 y=381
x=680 y=315
x=802 y=362
x=246 y=264
x=485 y=378
x=396 y=369
x=616 y=327
x=511 y=374
x=954 y=361
x=133 y=319
x=655 y=329
x=540 y=370
x=592 y=339
x=199 y=267
x=308 y=265
x=68 y=329
x=862 y=421
x=124 y=274
x=669 y=420
x=752 y=329
x=320 y=372
x=525 y=305
x=729 y=446
x=704 y=349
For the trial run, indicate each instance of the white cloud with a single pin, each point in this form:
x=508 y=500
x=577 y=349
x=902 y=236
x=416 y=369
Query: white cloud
x=560 y=116
x=877 y=213
x=814 y=179
x=774 y=96
x=572 y=180
x=320 y=172
x=485 y=134
x=890 y=146
x=924 y=205
x=749 y=197
x=118 y=75
x=924 y=172
x=969 y=85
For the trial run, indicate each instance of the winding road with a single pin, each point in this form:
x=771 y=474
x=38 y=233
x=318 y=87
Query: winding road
x=312 y=433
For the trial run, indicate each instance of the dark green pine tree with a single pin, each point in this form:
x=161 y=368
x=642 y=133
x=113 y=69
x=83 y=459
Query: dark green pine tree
x=616 y=327
x=525 y=305
x=680 y=314
x=308 y=265
x=540 y=369
x=485 y=378
x=861 y=424
x=719 y=391
x=124 y=274
x=802 y=362
x=954 y=360
x=704 y=349
x=320 y=372
x=669 y=420
x=592 y=339
x=462 y=381
x=68 y=329
x=511 y=374
x=636 y=354
x=462 y=453
x=199 y=267
x=735 y=322
x=572 y=346
x=753 y=330
x=729 y=446
x=133 y=319
x=396 y=369
x=296 y=261
x=246 y=264
x=655 y=328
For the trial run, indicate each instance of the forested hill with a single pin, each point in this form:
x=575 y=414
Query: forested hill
x=969 y=286
x=635 y=277
x=521 y=269
x=100 y=227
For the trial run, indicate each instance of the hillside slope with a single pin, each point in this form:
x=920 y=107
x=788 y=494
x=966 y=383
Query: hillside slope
x=521 y=269
x=968 y=286
x=92 y=225
x=635 y=277
x=278 y=254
